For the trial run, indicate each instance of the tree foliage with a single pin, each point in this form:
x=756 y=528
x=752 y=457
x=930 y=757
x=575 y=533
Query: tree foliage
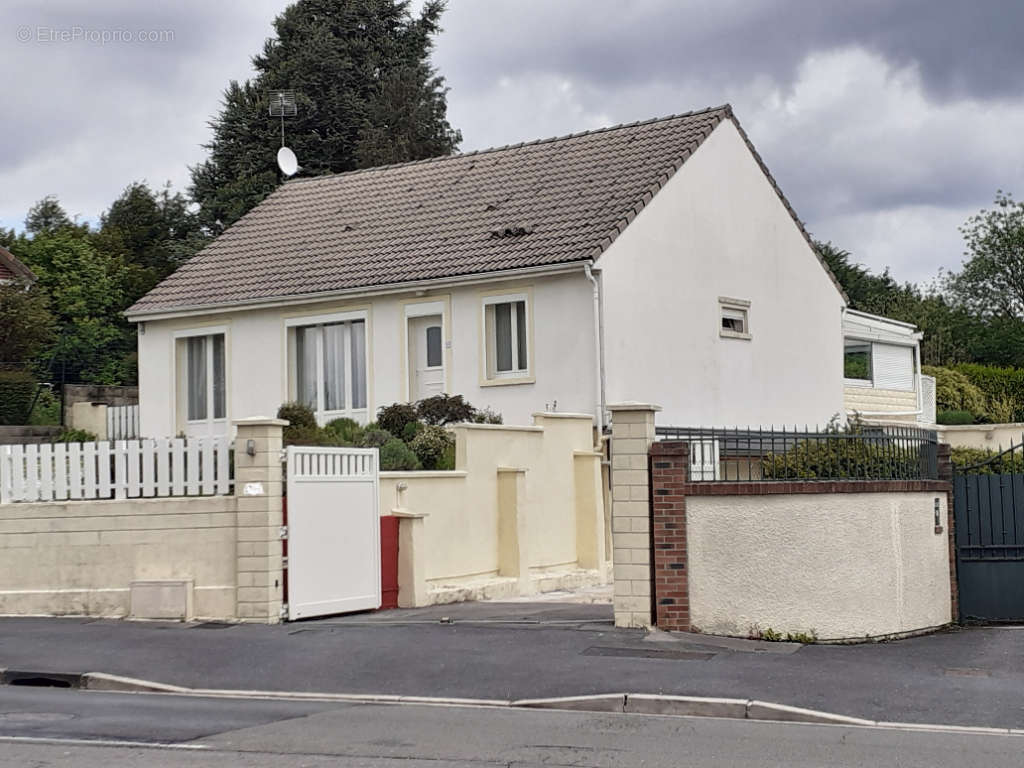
x=366 y=92
x=991 y=284
x=26 y=325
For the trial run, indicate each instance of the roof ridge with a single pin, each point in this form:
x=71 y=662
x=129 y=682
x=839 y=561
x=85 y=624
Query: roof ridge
x=726 y=107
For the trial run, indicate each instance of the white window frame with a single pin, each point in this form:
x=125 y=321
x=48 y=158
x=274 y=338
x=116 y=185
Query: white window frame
x=739 y=306
x=521 y=373
x=292 y=324
x=867 y=383
x=208 y=331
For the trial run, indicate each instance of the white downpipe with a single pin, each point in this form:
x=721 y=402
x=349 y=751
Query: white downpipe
x=598 y=348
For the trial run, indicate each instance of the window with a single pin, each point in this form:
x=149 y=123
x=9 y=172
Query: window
x=329 y=367
x=204 y=366
x=734 y=318
x=506 y=329
x=434 y=346
x=857 y=360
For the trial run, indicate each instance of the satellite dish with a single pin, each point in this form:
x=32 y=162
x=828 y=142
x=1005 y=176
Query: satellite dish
x=287 y=161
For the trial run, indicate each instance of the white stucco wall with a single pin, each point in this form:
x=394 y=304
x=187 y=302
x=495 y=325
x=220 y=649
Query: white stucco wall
x=718 y=228
x=256 y=352
x=987 y=437
x=839 y=565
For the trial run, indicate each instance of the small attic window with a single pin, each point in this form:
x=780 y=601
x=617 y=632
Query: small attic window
x=734 y=316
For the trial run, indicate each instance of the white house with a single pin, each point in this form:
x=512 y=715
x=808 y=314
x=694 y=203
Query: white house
x=882 y=370
x=654 y=261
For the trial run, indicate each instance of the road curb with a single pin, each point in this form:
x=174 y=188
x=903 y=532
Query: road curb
x=624 y=703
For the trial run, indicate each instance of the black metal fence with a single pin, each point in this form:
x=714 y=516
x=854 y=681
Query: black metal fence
x=853 y=452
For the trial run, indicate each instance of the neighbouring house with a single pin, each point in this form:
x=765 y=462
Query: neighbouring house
x=657 y=260
x=11 y=268
x=882 y=370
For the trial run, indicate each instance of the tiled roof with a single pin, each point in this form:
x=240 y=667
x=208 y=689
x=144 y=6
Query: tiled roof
x=539 y=204
x=11 y=267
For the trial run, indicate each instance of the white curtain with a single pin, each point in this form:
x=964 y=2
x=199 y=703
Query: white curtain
x=503 y=336
x=219 y=383
x=196 y=378
x=521 y=335
x=358 y=331
x=305 y=364
x=334 y=367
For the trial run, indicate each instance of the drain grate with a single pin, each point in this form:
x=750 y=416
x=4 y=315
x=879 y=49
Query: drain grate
x=646 y=653
x=40 y=679
x=213 y=625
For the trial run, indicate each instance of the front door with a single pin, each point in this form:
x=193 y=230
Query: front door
x=426 y=357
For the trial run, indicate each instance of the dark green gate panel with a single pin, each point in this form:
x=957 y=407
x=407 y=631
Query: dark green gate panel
x=989 y=514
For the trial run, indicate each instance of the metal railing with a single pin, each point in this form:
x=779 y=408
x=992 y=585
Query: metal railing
x=852 y=452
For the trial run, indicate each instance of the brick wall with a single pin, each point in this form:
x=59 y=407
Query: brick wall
x=669 y=463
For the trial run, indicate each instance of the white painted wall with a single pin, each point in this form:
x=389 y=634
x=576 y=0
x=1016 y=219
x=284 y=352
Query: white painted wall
x=843 y=565
x=718 y=228
x=256 y=352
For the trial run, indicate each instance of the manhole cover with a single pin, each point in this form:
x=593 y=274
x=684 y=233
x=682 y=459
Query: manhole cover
x=646 y=653
x=33 y=717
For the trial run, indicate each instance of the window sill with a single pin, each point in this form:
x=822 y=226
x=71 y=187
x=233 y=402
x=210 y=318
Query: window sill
x=505 y=382
x=734 y=335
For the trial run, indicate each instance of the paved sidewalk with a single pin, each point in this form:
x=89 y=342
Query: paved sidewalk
x=525 y=650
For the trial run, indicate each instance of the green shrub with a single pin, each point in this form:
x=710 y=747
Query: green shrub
x=47 y=410
x=17 y=390
x=302 y=428
x=376 y=438
x=445 y=409
x=1010 y=463
x=955 y=392
x=1002 y=388
x=75 y=436
x=412 y=429
x=396 y=456
x=951 y=418
x=345 y=431
x=431 y=444
x=487 y=416
x=394 y=417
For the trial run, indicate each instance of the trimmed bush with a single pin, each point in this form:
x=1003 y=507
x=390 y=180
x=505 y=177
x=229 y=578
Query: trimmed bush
x=17 y=390
x=75 y=436
x=301 y=423
x=412 y=429
x=951 y=418
x=1012 y=463
x=376 y=438
x=955 y=392
x=445 y=409
x=345 y=431
x=394 y=417
x=396 y=456
x=431 y=445
x=305 y=435
x=1002 y=388
x=487 y=416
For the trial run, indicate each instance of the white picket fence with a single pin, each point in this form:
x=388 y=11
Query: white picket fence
x=122 y=422
x=120 y=469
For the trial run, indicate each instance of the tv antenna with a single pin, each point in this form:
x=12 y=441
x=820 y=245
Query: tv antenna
x=282 y=104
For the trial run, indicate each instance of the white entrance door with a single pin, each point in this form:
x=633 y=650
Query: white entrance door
x=333 y=531
x=426 y=356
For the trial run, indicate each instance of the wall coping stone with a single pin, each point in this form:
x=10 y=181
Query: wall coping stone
x=767 y=488
x=633 y=406
x=561 y=415
x=260 y=421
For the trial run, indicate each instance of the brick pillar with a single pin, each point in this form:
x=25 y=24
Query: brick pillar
x=945 y=460
x=669 y=466
x=632 y=436
x=259 y=491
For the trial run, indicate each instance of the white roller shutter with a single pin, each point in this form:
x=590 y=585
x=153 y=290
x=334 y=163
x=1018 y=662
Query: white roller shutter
x=892 y=366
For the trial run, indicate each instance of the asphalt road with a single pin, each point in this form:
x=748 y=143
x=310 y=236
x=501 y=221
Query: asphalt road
x=102 y=730
x=972 y=677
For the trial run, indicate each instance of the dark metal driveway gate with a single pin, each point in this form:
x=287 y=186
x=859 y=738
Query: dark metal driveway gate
x=988 y=504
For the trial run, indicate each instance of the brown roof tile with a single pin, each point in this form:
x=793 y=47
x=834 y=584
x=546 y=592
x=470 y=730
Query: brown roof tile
x=539 y=204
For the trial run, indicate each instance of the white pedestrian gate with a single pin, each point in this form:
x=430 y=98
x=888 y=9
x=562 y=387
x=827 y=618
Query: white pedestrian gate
x=333 y=531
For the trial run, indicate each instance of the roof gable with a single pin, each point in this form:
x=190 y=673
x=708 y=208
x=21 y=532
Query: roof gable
x=12 y=268
x=534 y=205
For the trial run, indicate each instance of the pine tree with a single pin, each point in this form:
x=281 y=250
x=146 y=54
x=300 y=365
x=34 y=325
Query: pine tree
x=366 y=93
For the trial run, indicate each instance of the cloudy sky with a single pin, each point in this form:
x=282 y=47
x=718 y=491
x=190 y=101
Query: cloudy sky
x=887 y=122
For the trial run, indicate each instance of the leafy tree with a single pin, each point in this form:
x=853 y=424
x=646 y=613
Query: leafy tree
x=991 y=283
x=366 y=95
x=26 y=325
x=47 y=217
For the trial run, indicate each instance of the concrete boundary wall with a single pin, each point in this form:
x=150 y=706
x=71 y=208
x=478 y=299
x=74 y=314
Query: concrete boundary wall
x=522 y=513
x=203 y=557
x=839 y=560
